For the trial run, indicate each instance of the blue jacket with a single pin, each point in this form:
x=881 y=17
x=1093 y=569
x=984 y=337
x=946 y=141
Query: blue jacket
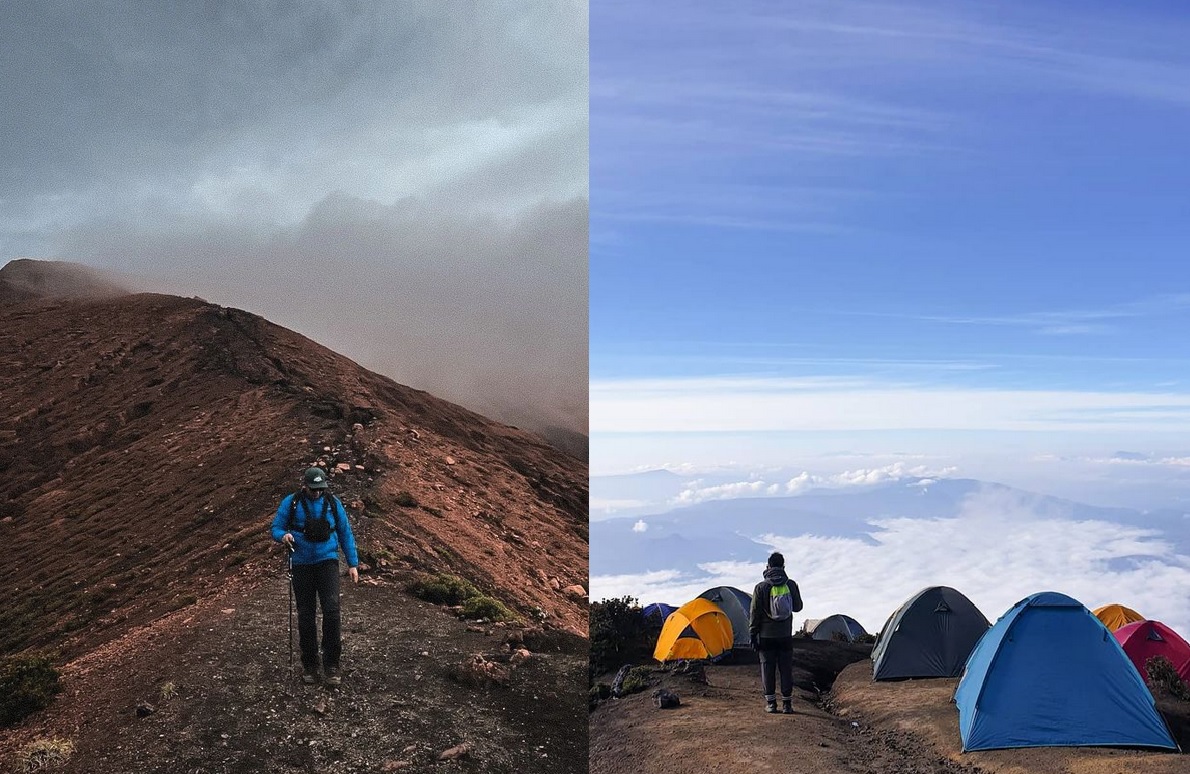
x=308 y=552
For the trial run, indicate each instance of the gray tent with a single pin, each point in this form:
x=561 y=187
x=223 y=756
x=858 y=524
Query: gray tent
x=837 y=627
x=930 y=635
x=738 y=607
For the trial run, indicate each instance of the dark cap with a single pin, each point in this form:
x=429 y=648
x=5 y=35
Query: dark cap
x=314 y=478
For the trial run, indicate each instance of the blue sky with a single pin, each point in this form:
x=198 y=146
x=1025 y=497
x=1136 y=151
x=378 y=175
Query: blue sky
x=887 y=227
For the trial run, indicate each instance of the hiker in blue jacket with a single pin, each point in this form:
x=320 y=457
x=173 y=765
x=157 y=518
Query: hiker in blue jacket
x=774 y=601
x=313 y=524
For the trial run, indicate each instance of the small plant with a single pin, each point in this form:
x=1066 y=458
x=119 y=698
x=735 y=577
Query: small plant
x=866 y=639
x=443 y=589
x=486 y=607
x=637 y=679
x=406 y=500
x=1163 y=677
x=27 y=684
x=168 y=691
x=598 y=693
x=44 y=753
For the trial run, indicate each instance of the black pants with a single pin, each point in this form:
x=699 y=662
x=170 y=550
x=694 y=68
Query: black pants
x=776 y=654
x=318 y=583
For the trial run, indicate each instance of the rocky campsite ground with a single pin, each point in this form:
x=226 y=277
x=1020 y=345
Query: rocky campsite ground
x=856 y=727
x=224 y=699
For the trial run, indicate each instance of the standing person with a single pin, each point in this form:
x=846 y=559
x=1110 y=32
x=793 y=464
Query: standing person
x=774 y=601
x=313 y=524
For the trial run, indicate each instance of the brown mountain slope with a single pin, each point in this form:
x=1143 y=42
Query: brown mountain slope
x=146 y=440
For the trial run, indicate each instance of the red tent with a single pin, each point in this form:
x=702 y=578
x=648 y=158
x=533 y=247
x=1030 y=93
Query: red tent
x=1144 y=639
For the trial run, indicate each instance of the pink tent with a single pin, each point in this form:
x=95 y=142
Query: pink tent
x=1144 y=639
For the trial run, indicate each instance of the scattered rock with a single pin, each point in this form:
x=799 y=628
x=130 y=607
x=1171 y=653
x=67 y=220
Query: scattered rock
x=476 y=629
x=144 y=710
x=395 y=765
x=458 y=751
x=663 y=698
x=555 y=584
x=343 y=467
x=409 y=749
x=6 y=520
x=520 y=656
x=477 y=670
x=356 y=505
x=228 y=610
x=576 y=591
x=319 y=707
x=450 y=460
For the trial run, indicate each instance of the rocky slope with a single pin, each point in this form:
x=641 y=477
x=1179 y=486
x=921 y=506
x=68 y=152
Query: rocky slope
x=146 y=440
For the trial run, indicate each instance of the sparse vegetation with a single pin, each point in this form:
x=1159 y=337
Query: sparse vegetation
x=169 y=690
x=406 y=500
x=27 y=684
x=866 y=639
x=1163 y=677
x=638 y=679
x=599 y=692
x=44 y=753
x=616 y=626
x=487 y=607
x=443 y=589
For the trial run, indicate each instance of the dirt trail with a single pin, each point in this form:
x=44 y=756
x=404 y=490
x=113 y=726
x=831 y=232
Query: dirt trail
x=238 y=708
x=859 y=727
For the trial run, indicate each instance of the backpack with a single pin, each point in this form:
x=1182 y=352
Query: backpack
x=784 y=601
x=317 y=529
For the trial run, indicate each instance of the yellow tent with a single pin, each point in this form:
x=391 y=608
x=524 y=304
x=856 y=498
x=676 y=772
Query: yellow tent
x=697 y=629
x=1114 y=616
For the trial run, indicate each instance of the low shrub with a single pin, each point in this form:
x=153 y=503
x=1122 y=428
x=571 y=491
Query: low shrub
x=44 y=753
x=638 y=679
x=486 y=607
x=442 y=589
x=1162 y=676
x=27 y=684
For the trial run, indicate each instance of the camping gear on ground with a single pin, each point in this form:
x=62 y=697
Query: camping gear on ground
x=657 y=611
x=930 y=635
x=1143 y=640
x=696 y=630
x=837 y=627
x=1048 y=674
x=1115 y=615
x=738 y=607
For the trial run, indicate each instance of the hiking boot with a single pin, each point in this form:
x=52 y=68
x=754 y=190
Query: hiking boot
x=770 y=706
x=787 y=706
x=309 y=678
x=333 y=677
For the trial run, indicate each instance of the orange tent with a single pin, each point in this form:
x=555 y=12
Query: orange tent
x=1115 y=615
x=697 y=629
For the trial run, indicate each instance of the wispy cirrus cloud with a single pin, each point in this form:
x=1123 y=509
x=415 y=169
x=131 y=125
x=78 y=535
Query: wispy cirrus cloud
x=685 y=405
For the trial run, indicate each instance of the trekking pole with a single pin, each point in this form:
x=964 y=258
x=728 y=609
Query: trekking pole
x=290 y=610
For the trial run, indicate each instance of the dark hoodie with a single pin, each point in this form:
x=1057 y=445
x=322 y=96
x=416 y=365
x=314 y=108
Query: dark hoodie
x=760 y=624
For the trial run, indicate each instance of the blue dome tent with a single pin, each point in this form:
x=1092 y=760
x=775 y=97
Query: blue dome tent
x=1050 y=674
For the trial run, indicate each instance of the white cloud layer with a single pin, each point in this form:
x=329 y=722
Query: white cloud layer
x=805 y=481
x=997 y=550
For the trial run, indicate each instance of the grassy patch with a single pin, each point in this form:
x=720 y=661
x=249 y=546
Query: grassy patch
x=486 y=607
x=44 y=753
x=443 y=589
x=27 y=684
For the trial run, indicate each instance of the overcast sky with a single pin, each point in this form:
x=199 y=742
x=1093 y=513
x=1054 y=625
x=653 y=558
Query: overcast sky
x=403 y=182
